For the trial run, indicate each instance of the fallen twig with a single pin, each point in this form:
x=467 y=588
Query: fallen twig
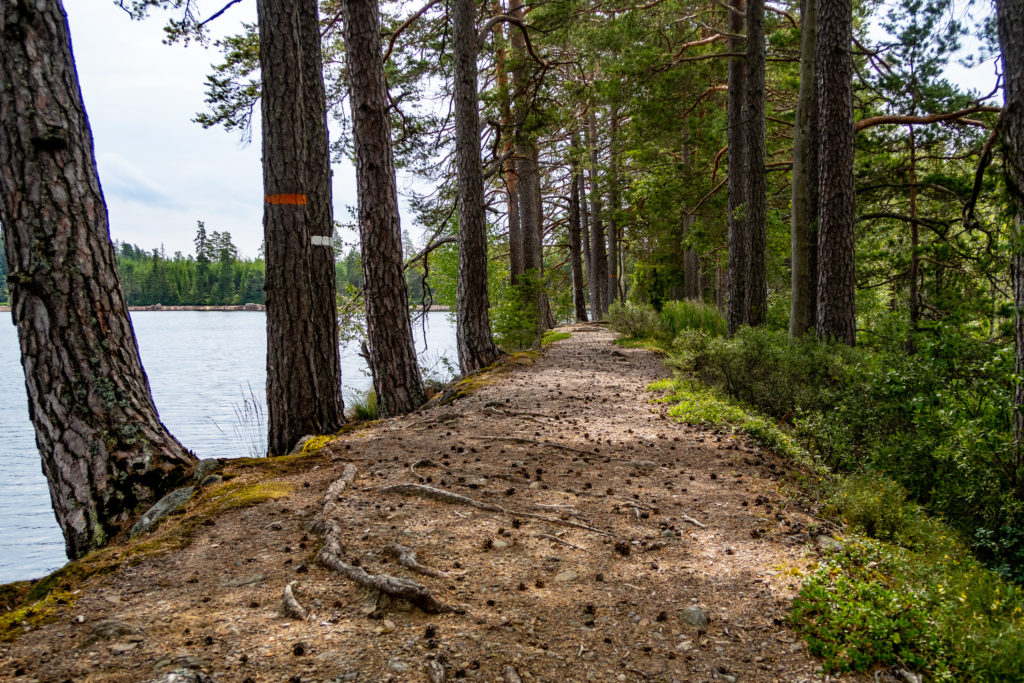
x=691 y=520
x=556 y=539
x=292 y=608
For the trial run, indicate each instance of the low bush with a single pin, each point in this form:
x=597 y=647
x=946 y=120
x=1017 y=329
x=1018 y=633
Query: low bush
x=932 y=610
x=635 y=320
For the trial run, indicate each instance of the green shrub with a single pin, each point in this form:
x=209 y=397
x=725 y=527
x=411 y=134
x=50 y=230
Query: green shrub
x=514 y=315
x=932 y=610
x=677 y=316
x=766 y=368
x=937 y=422
x=634 y=320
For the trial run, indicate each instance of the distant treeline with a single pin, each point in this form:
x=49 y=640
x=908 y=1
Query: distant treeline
x=214 y=276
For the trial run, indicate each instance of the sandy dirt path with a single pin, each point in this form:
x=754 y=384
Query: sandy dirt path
x=692 y=554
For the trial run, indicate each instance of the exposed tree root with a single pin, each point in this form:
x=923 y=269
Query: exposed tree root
x=458 y=499
x=407 y=558
x=292 y=608
x=393 y=586
x=330 y=500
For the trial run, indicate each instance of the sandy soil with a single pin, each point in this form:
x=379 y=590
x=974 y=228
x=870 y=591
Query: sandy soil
x=541 y=599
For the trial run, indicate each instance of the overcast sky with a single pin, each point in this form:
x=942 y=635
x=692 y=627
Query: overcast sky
x=160 y=172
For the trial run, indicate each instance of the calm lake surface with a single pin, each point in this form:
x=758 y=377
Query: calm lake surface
x=203 y=366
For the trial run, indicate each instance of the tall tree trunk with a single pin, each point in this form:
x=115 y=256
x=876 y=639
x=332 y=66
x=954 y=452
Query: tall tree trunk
x=754 y=146
x=598 y=255
x=473 y=324
x=575 y=256
x=396 y=376
x=511 y=178
x=1010 y=15
x=804 y=239
x=834 y=66
x=613 y=203
x=528 y=174
x=738 y=237
x=691 y=261
x=584 y=214
x=105 y=453
x=303 y=380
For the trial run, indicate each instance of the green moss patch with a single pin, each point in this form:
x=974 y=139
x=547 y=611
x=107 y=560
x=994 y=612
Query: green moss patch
x=553 y=336
x=34 y=615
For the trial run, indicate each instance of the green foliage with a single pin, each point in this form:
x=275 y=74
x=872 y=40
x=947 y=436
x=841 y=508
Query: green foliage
x=552 y=336
x=634 y=320
x=694 y=403
x=933 y=609
x=937 y=422
x=514 y=318
x=677 y=316
x=351 y=315
x=215 y=276
x=768 y=369
x=364 y=407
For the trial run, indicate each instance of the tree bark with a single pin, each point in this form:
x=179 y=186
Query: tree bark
x=473 y=326
x=303 y=364
x=691 y=260
x=598 y=255
x=1010 y=17
x=613 y=204
x=396 y=376
x=834 y=66
x=530 y=231
x=584 y=219
x=511 y=177
x=804 y=238
x=756 y=300
x=575 y=256
x=106 y=455
x=737 y=224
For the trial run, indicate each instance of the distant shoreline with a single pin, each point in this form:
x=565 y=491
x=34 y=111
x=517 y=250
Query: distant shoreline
x=5 y=308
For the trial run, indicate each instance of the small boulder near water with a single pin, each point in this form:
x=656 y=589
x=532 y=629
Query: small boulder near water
x=165 y=506
x=205 y=467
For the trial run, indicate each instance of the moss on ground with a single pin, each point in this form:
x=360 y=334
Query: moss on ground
x=33 y=615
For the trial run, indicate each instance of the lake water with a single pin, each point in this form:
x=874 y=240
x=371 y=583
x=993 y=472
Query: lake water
x=201 y=366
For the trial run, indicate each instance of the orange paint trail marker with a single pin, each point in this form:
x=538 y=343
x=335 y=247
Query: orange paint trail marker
x=285 y=199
